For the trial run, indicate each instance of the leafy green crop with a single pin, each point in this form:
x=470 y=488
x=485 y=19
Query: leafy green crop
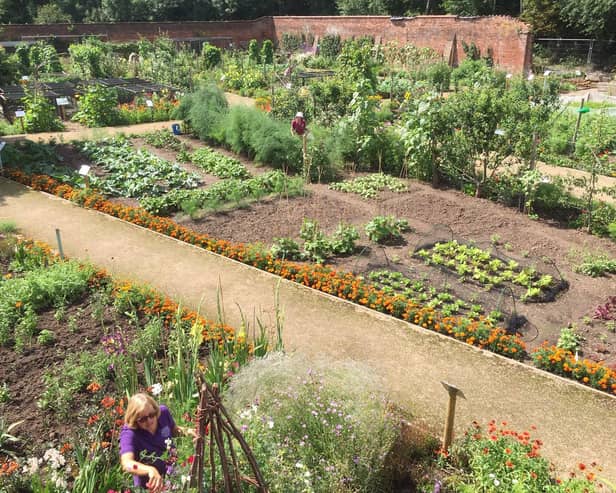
x=386 y=228
x=479 y=265
x=132 y=173
x=226 y=191
x=218 y=164
x=369 y=186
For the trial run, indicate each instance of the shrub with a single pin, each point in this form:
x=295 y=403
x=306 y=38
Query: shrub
x=317 y=427
x=502 y=459
x=267 y=52
x=439 y=76
x=212 y=56
x=596 y=265
x=382 y=229
x=330 y=45
x=254 y=56
x=40 y=114
x=569 y=339
x=343 y=239
x=317 y=246
x=204 y=111
x=291 y=42
x=98 y=107
x=285 y=248
x=251 y=132
x=326 y=164
x=88 y=58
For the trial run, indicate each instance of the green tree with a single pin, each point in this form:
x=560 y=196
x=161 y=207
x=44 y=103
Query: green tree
x=543 y=16
x=51 y=13
x=468 y=7
x=595 y=18
x=361 y=7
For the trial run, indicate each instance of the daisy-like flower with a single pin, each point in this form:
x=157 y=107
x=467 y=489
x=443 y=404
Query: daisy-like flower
x=157 y=389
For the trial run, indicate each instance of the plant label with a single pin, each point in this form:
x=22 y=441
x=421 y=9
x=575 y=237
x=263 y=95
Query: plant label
x=149 y=103
x=84 y=169
x=20 y=113
x=62 y=101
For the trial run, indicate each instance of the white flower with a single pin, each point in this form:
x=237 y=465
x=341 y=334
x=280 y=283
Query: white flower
x=185 y=478
x=168 y=443
x=299 y=465
x=157 y=388
x=55 y=459
x=31 y=466
x=270 y=424
x=496 y=482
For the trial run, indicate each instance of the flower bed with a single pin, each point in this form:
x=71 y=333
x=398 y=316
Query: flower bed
x=347 y=286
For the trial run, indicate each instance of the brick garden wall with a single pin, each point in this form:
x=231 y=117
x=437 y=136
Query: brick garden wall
x=506 y=38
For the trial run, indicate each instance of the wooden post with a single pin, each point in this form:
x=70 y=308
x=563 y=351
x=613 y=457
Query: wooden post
x=59 y=239
x=451 y=411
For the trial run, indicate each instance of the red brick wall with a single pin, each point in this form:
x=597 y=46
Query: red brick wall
x=507 y=38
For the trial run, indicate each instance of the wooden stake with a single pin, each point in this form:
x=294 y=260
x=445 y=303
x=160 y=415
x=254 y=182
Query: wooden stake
x=451 y=412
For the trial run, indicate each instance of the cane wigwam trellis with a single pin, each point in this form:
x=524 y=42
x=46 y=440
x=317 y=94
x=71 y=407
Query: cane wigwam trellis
x=213 y=419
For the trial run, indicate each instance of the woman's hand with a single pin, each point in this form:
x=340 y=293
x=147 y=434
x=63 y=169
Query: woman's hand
x=155 y=481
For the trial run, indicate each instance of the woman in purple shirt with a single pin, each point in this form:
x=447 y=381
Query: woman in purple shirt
x=146 y=441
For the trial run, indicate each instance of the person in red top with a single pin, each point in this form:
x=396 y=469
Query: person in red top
x=298 y=125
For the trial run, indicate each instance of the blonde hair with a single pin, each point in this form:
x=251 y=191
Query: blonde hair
x=136 y=404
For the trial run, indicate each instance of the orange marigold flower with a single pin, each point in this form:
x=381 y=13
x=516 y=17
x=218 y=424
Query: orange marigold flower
x=94 y=387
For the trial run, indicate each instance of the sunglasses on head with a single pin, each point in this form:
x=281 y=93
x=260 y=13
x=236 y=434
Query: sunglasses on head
x=143 y=419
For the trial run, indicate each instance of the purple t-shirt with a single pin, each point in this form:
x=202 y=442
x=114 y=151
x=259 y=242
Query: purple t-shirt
x=139 y=441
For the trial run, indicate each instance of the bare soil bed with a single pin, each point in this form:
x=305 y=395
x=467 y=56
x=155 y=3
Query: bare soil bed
x=79 y=330
x=434 y=215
